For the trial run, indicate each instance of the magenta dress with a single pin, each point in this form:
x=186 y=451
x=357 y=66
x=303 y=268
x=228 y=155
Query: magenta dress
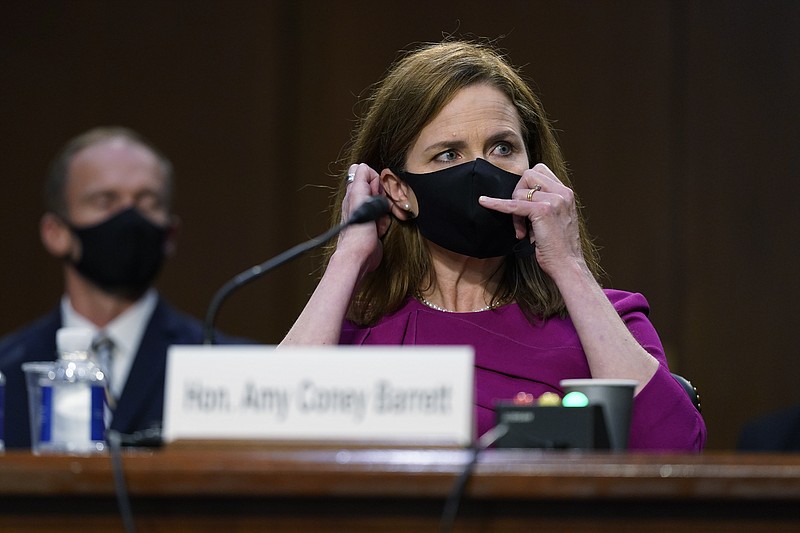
x=512 y=355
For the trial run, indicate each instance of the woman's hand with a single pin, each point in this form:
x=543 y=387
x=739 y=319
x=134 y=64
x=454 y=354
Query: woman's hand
x=544 y=209
x=361 y=242
x=358 y=251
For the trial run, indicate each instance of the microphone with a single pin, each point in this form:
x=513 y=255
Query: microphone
x=373 y=208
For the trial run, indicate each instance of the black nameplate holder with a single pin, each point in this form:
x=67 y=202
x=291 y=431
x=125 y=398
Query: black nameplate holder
x=551 y=427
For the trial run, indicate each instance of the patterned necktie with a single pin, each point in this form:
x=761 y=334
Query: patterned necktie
x=103 y=348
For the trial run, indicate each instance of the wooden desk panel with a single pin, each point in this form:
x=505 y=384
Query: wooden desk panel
x=356 y=490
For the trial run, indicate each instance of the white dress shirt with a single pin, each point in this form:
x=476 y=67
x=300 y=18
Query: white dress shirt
x=126 y=331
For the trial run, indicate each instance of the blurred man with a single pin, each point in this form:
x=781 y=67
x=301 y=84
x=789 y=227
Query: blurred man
x=109 y=221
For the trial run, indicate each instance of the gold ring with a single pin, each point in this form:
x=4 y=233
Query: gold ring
x=536 y=187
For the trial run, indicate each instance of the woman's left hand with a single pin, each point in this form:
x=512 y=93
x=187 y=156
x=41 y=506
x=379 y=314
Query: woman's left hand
x=544 y=209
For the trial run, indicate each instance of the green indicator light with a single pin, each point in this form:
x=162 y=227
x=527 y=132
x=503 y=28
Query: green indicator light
x=575 y=399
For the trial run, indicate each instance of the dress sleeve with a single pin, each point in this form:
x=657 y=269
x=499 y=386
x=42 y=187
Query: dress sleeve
x=663 y=417
x=352 y=334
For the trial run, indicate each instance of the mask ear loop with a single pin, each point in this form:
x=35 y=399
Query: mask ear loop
x=385 y=233
x=524 y=248
x=404 y=206
x=73 y=230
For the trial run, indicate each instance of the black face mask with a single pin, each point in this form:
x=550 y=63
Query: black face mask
x=122 y=253
x=450 y=215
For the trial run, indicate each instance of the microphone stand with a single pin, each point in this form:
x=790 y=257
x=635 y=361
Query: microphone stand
x=372 y=208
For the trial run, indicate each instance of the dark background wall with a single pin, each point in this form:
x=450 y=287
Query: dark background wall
x=679 y=120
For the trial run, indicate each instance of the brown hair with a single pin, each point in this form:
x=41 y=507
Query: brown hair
x=413 y=92
x=56 y=181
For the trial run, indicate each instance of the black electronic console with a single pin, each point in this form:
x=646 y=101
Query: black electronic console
x=551 y=427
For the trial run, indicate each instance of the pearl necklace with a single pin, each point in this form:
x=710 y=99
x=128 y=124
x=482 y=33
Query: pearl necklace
x=440 y=308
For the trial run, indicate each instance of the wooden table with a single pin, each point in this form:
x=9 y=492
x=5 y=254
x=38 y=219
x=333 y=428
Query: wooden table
x=392 y=490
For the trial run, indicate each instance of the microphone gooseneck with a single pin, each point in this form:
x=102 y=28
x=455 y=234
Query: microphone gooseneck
x=373 y=208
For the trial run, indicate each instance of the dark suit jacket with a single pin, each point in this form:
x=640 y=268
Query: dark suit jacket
x=772 y=432
x=141 y=404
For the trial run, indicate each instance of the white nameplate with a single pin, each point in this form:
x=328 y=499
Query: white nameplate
x=392 y=394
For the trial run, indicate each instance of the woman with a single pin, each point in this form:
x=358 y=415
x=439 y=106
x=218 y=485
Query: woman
x=485 y=246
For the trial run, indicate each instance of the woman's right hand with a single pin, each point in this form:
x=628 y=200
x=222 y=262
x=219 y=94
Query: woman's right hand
x=361 y=242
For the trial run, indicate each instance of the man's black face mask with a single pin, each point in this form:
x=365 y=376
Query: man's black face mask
x=123 y=253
